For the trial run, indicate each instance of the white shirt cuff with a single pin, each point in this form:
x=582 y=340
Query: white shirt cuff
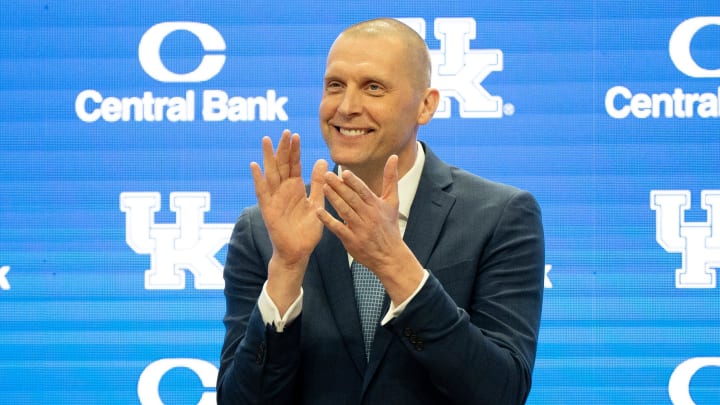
x=270 y=313
x=394 y=311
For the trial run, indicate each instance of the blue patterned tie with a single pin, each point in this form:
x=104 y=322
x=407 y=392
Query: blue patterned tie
x=369 y=294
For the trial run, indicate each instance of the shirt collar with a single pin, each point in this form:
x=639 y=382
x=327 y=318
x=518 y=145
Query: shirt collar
x=408 y=184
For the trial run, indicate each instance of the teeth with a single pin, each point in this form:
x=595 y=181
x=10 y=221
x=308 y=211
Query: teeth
x=352 y=132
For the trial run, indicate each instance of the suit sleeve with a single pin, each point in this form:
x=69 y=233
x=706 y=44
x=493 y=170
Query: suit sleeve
x=484 y=354
x=258 y=365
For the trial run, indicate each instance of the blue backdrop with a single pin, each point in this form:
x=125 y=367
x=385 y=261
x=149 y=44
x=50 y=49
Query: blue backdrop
x=127 y=129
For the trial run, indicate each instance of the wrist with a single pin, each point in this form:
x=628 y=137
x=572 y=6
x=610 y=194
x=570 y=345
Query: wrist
x=402 y=276
x=284 y=281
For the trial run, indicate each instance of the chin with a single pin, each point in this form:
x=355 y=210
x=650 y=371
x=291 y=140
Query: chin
x=345 y=157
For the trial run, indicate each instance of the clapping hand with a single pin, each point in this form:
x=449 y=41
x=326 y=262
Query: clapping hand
x=289 y=214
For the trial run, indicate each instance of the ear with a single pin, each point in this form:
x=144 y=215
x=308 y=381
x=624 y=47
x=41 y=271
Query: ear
x=429 y=104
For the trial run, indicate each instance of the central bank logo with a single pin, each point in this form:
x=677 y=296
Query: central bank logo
x=621 y=102
x=679 y=47
x=187 y=245
x=681 y=378
x=210 y=64
x=458 y=71
x=698 y=242
x=211 y=105
x=150 y=381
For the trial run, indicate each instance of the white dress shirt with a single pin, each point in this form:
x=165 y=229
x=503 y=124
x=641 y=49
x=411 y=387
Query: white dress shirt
x=407 y=187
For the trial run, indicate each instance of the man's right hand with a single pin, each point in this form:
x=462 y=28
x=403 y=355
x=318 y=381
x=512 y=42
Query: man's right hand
x=289 y=215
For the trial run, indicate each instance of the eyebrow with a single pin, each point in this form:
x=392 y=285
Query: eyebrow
x=363 y=78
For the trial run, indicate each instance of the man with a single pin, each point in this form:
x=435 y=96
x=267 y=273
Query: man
x=460 y=258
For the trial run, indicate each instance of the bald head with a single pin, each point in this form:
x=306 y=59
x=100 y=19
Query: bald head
x=417 y=54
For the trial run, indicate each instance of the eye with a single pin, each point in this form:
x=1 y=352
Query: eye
x=333 y=85
x=375 y=88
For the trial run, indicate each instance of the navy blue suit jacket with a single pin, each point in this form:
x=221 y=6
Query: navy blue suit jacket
x=468 y=337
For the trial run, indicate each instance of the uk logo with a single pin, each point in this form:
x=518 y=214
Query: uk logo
x=458 y=71
x=698 y=242
x=548 y=282
x=187 y=245
x=4 y=283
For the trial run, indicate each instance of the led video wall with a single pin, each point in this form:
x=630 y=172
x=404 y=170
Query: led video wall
x=127 y=129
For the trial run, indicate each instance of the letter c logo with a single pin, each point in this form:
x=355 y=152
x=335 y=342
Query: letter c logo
x=210 y=65
x=149 y=380
x=679 y=47
x=679 y=385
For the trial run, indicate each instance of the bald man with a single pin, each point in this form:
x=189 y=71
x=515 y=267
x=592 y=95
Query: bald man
x=396 y=279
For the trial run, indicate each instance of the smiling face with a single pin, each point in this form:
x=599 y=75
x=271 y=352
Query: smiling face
x=374 y=100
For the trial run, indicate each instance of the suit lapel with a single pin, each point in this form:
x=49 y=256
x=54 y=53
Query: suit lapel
x=427 y=217
x=337 y=279
x=430 y=208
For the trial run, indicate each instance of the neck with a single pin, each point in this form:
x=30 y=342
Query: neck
x=372 y=174
x=372 y=177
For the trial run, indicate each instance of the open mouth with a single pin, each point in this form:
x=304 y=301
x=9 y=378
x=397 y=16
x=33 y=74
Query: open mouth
x=351 y=132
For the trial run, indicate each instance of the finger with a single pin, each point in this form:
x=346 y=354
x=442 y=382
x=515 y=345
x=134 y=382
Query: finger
x=261 y=190
x=357 y=186
x=343 y=197
x=338 y=228
x=390 y=182
x=342 y=207
x=283 y=155
x=295 y=167
x=270 y=163
x=317 y=181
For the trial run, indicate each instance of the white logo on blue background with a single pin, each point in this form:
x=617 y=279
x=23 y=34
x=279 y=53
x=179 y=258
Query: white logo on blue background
x=679 y=384
x=699 y=242
x=213 y=105
x=679 y=47
x=187 y=245
x=4 y=283
x=621 y=102
x=148 y=387
x=210 y=64
x=458 y=71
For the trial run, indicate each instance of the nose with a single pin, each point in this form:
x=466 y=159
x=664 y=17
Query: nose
x=351 y=103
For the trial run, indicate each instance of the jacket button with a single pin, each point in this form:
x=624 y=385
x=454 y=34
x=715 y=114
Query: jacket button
x=408 y=332
x=419 y=346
